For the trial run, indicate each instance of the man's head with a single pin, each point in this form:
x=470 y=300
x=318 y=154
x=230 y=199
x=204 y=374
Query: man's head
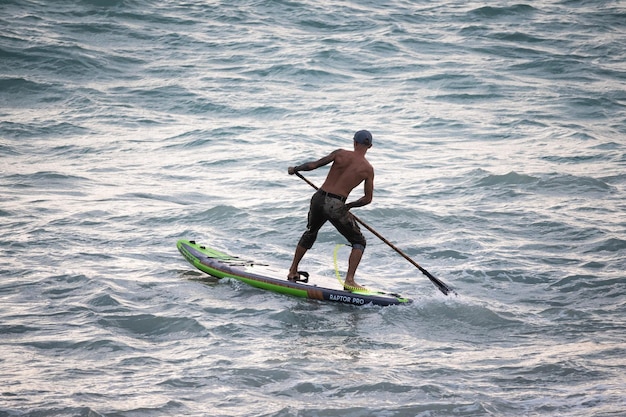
x=363 y=137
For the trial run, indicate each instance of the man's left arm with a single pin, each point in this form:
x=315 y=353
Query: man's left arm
x=367 y=198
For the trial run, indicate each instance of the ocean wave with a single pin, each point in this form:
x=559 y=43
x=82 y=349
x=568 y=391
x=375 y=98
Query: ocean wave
x=547 y=183
x=511 y=178
x=150 y=325
x=45 y=179
x=494 y=12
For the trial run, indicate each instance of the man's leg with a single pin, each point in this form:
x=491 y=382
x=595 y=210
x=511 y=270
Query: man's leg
x=353 y=262
x=315 y=220
x=297 y=257
x=348 y=227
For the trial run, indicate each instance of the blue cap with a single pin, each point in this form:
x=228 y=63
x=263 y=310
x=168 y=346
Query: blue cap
x=363 y=137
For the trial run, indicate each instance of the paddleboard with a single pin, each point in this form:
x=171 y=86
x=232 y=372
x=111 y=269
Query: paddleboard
x=222 y=265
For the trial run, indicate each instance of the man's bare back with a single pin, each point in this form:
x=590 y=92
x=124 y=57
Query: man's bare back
x=349 y=169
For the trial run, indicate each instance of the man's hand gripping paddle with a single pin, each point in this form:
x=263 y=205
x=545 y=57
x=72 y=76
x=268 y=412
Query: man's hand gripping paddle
x=438 y=283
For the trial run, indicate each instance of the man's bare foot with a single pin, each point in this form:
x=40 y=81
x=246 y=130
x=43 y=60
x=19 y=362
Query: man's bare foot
x=297 y=277
x=353 y=286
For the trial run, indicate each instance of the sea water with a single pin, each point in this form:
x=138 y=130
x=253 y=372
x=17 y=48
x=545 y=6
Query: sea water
x=500 y=156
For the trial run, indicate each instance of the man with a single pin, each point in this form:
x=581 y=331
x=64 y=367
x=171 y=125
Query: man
x=348 y=169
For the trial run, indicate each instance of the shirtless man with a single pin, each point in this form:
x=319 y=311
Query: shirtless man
x=349 y=169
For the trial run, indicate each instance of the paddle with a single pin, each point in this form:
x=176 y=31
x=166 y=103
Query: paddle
x=438 y=283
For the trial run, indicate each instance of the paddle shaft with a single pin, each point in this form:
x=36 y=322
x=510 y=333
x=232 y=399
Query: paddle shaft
x=438 y=283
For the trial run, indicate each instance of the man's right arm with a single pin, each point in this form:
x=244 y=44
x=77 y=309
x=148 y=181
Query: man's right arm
x=310 y=166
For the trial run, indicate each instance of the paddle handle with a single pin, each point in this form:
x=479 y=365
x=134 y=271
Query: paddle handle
x=438 y=283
